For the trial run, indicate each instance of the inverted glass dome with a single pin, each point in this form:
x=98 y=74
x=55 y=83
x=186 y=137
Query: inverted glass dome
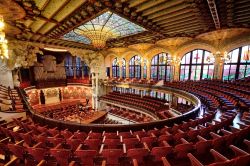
x=102 y=28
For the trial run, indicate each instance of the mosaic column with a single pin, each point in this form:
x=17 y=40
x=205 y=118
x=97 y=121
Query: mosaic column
x=120 y=68
x=218 y=67
x=93 y=90
x=148 y=70
x=127 y=69
x=96 y=91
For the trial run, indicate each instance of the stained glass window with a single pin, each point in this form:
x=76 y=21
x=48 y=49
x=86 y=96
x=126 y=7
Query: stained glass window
x=145 y=69
x=115 y=68
x=123 y=68
x=196 y=65
x=239 y=64
x=135 y=67
x=69 y=66
x=72 y=36
x=85 y=70
x=160 y=69
x=110 y=24
x=78 y=67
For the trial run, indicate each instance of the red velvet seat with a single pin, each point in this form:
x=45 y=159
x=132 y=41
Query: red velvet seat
x=159 y=152
x=131 y=143
x=86 y=156
x=181 y=150
x=37 y=153
x=112 y=143
x=74 y=143
x=62 y=156
x=92 y=143
x=112 y=156
x=139 y=154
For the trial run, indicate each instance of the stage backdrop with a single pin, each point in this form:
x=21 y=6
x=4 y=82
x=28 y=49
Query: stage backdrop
x=52 y=94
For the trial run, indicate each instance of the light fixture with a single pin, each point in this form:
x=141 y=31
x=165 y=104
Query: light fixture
x=246 y=55
x=210 y=58
x=225 y=57
x=4 y=54
x=168 y=60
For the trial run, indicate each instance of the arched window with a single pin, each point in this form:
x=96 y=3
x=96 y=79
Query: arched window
x=78 y=67
x=196 y=65
x=115 y=68
x=135 y=67
x=239 y=64
x=160 y=69
x=85 y=70
x=69 y=66
x=123 y=68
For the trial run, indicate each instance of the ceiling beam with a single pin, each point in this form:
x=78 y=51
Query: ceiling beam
x=171 y=15
x=177 y=18
x=214 y=13
x=161 y=6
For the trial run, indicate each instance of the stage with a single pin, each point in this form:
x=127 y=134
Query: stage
x=89 y=116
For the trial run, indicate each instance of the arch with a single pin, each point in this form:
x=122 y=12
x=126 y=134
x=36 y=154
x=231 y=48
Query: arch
x=135 y=67
x=238 y=66
x=196 y=65
x=115 y=68
x=154 y=50
x=239 y=42
x=187 y=47
x=130 y=53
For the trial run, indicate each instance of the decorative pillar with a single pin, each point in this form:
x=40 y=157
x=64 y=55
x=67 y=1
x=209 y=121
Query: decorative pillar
x=93 y=90
x=218 y=66
x=148 y=70
x=120 y=67
x=127 y=69
x=142 y=67
x=176 y=71
x=96 y=90
x=74 y=66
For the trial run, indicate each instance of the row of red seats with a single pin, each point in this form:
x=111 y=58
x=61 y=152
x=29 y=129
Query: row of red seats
x=140 y=144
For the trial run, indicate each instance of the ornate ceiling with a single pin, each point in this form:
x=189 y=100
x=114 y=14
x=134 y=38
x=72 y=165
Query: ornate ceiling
x=46 y=21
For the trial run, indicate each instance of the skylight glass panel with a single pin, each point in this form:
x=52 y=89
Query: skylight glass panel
x=102 y=28
x=72 y=36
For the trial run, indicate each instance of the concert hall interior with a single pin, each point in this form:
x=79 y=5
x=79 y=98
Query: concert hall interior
x=124 y=82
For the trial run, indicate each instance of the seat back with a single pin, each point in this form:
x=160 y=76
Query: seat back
x=112 y=155
x=86 y=156
x=92 y=143
x=37 y=153
x=17 y=150
x=61 y=155
x=159 y=152
x=74 y=143
x=137 y=154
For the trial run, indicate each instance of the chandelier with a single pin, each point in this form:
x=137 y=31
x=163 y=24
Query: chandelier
x=3 y=42
x=168 y=60
x=225 y=57
x=98 y=38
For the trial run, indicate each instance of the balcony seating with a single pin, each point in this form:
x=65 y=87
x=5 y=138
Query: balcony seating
x=27 y=142
x=155 y=146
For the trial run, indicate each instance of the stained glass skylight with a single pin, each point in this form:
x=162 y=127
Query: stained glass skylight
x=72 y=36
x=102 y=28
